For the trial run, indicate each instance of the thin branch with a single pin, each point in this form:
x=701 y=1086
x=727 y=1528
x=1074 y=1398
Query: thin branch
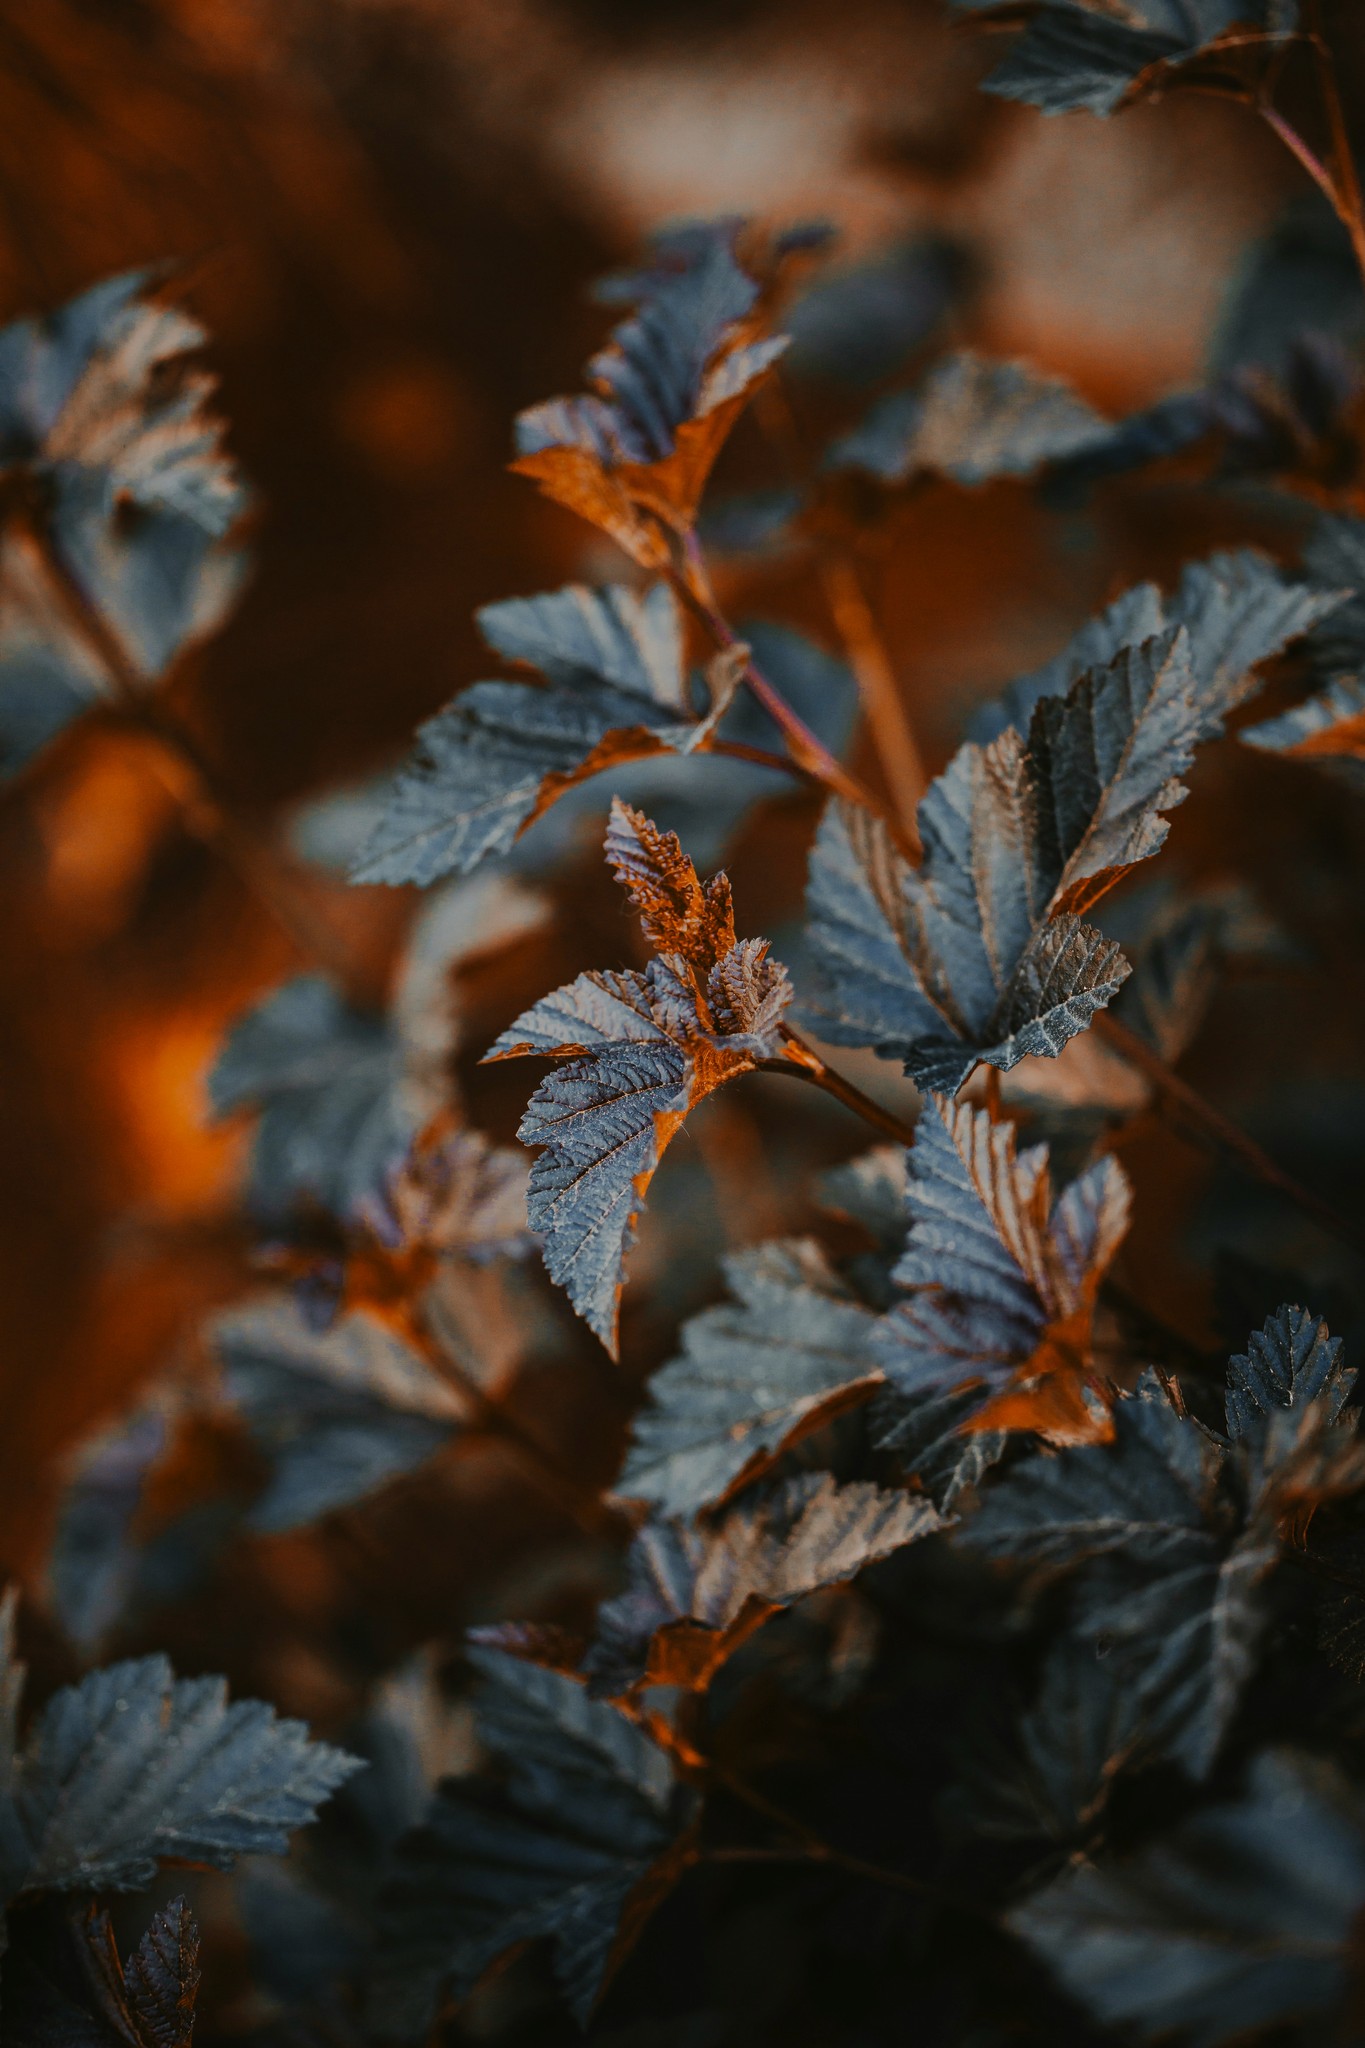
x=198 y=787
x=892 y=733
x=1313 y=164
x=803 y=1063
x=814 y=1848
x=1351 y=206
x=808 y=750
x=1226 y=1135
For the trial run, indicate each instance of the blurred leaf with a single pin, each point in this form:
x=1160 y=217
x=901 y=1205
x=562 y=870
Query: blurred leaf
x=134 y=1766
x=634 y=458
x=1085 y=55
x=100 y=406
x=1054 y=1779
x=1240 y=1919
x=584 y=1842
x=337 y=1413
x=795 y=1348
x=971 y=420
x=1327 y=729
x=856 y=324
x=644 y=1049
x=693 y=1596
x=1005 y=1281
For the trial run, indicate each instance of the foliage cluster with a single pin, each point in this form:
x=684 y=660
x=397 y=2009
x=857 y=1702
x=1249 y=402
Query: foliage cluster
x=955 y=1628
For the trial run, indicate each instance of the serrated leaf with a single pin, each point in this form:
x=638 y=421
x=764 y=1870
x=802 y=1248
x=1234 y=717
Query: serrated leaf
x=100 y=404
x=972 y=419
x=979 y=953
x=134 y=1766
x=1053 y=1781
x=1237 y=610
x=634 y=457
x=694 y=1595
x=1079 y=56
x=150 y=1999
x=1293 y=1361
x=794 y=1348
x=615 y=689
x=1238 y=1920
x=1327 y=729
x=337 y=1413
x=576 y=1853
x=644 y=1049
x=1004 y=1279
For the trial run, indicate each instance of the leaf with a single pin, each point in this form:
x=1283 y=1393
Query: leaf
x=100 y=404
x=588 y=1835
x=634 y=457
x=693 y=1596
x=150 y=1999
x=1071 y=1743
x=1004 y=1279
x=457 y=1196
x=337 y=1413
x=93 y=1566
x=857 y=324
x=615 y=689
x=1335 y=560
x=1328 y=729
x=1080 y=56
x=1238 y=1920
x=643 y=1049
x=1237 y=610
x=133 y=1766
x=979 y=953
x=972 y=419
x=324 y=1080
x=794 y=1349
x=1292 y=1362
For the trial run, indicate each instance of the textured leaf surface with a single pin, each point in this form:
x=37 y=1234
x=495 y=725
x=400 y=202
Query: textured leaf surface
x=1074 y=57
x=1238 y=1920
x=1237 y=610
x=615 y=689
x=150 y=1998
x=1004 y=1280
x=134 y=1766
x=643 y=1049
x=667 y=389
x=979 y=953
x=693 y=1596
x=100 y=402
x=337 y=1413
x=973 y=419
x=793 y=1347
x=591 y=1811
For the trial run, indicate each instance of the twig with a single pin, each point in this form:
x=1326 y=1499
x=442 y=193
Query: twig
x=803 y=1063
x=815 y=1849
x=1228 y=1136
x=808 y=750
x=1351 y=206
x=892 y=733
x=261 y=865
x=559 y=1487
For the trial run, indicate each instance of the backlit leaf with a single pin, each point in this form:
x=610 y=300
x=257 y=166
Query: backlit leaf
x=643 y=1049
x=1004 y=1279
x=693 y=1595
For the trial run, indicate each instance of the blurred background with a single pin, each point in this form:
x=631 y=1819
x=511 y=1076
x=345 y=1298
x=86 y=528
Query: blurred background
x=387 y=213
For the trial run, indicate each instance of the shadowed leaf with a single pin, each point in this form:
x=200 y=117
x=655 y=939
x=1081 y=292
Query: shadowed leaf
x=576 y=1851
x=971 y=420
x=794 y=1348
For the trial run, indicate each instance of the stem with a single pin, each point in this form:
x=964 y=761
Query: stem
x=559 y=1487
x=264 y=868
x=808 y=751
x=815 y=1849
x=894 y=738
x=803 y=1063
x=1313 y=164
x=1223 y=1132
x=1350 y=205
